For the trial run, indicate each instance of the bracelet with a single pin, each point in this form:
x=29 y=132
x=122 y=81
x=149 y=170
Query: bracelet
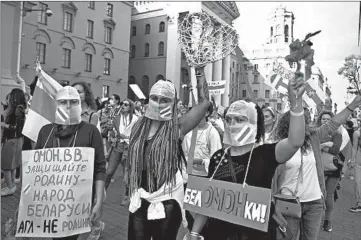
x=350 y=109
x=297 y=114
x=194 y=234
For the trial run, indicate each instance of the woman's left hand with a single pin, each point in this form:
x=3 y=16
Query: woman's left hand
x=296 y=88
x=96 y=212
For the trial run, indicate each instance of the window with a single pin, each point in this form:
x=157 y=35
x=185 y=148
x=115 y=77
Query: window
x=42 y=17
x=244 y=93
x=245 y=67
x=107 y=66
x=286 y=33
x=146 y=52
x=88 y=61
x=266 y=104
x=66 y=58
x=255 y=78
x=68 y=22
x=256 y=67
x=108 y=35
x=134 y=31
x=271 y=31
x=250 y=67
x=233 y=65
x=41 y=51
x=110 y=10
x=147 y=29
x=161 y=27
x=91 y=5
x=161 y=49
x=255 y=92
x=90 y=29
x=267 y=93
x=132 y=53
x=105 y=92
x=279 y=106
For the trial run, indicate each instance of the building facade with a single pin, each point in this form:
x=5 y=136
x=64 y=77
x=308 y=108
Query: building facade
x=82 y=41
x=157 y=53
x=259 y=63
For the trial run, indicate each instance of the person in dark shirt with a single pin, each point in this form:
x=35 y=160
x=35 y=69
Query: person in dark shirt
x=14 y=119
x=245 y=160
x=72 y=131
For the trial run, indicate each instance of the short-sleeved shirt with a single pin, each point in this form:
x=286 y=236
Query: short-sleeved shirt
x=262 y=167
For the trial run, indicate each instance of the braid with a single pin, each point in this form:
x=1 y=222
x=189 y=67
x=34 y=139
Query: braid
x=163 y=157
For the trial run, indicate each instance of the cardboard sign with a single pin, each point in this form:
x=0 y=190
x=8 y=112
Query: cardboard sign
x=216 y=91
x=56 y=193
x=216 y=87
x=230 y=202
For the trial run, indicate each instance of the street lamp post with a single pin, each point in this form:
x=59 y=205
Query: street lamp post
x=23 y=11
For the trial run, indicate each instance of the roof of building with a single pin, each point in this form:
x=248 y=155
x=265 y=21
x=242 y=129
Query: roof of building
x=231 y=8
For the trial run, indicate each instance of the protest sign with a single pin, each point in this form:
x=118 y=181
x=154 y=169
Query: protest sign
x=216 y=87
x=230 y=202
x=56 y=194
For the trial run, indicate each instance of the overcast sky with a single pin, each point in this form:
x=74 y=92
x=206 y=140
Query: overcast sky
x=338 y=39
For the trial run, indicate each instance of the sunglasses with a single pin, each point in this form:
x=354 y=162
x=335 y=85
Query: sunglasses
x=126 y=104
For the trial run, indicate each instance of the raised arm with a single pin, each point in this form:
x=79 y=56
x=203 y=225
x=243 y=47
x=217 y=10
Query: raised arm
x=191 y=119
x=287 y=147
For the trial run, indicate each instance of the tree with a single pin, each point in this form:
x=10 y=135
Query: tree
x=350 y=70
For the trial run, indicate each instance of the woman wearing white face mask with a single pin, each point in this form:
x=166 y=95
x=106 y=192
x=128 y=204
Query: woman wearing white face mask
x=250 y=161
x=155 y=181
x=69 y=130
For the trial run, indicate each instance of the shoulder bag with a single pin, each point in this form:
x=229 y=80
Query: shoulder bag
x=330 y=162
x=290 y=206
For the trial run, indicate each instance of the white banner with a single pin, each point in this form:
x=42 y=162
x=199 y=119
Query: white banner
x=216 y=91
x=217 y=83
x=56 y=193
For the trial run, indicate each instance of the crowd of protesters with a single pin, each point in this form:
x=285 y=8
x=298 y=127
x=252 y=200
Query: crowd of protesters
x=151 y=140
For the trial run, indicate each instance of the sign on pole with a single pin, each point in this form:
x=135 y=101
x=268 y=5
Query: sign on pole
x=216 y=87
x=56 y=193
x=230 y=202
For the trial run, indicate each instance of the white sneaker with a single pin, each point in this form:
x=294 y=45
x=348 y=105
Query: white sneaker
x=8 y=191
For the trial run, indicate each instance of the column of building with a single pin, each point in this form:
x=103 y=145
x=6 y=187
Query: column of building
x=217 y=69
x=226 y=75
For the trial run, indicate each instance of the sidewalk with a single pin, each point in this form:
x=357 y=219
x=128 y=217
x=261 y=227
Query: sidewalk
x=346 y=225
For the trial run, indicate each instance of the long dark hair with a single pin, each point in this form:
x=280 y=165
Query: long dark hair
x=89 y=96
x=282 y=131
x=131 y=109
x=163 y=158
x=16 y=98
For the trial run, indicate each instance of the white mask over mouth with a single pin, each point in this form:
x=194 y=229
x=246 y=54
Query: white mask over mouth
x=69 y=113
x=240 y=134
x=161 y=111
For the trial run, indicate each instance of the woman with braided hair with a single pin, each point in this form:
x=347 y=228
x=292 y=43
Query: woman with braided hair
x=155 y=181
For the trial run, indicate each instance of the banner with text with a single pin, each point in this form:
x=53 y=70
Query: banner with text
x=216 y=87
x=248 y=206
x=56 y=194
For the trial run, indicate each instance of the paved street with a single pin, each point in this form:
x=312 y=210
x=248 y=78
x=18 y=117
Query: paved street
x=346 y=225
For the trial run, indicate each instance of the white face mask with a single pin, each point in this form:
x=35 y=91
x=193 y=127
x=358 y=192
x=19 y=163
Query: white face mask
x=237 y=135
x=159 y=111
x=68 y=111
x=68 y=116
